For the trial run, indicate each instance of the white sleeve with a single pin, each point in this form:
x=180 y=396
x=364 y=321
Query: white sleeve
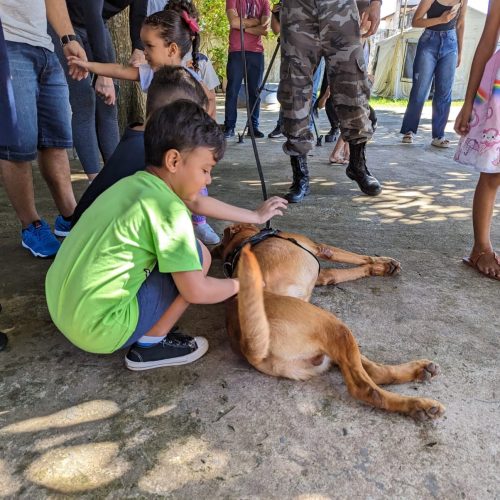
x=146 y=74
x=208 y=74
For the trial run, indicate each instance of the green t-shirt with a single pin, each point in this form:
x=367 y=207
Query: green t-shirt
x=92 y=285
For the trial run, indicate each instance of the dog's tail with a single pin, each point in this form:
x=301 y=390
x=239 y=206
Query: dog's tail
x=254 y=325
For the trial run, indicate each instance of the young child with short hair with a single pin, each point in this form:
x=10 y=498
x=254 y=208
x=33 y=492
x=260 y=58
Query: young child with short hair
x=132 y=265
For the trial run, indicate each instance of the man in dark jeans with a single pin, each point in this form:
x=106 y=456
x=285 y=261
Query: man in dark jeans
x=256 y=18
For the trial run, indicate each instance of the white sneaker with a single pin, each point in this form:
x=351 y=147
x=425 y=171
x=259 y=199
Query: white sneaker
x=407 y=138
x=440 y=142
x=206 y=234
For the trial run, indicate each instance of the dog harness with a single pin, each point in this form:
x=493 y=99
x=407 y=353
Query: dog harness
x=230 y=264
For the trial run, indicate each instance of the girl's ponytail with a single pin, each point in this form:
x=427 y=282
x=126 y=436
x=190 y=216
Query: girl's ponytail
x=190 y=16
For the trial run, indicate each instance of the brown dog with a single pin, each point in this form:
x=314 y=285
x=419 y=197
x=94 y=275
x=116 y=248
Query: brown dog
x=281 y=334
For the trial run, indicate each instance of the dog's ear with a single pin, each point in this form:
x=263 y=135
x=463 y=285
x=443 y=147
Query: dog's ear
x=218 y=251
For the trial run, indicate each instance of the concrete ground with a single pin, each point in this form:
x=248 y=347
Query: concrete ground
x=75 y=423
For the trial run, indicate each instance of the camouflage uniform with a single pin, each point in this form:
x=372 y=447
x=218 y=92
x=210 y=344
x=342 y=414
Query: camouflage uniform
x=311 y=29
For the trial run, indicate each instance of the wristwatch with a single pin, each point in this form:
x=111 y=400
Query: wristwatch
x=68 y=38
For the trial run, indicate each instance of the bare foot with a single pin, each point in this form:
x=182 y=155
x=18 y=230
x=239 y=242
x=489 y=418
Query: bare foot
x=487 y=263
x=336 y=159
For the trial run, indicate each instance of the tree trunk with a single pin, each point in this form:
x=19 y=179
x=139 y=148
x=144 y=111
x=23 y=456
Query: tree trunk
x=131 y=99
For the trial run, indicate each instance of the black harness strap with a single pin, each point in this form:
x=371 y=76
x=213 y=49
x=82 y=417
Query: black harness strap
x=230 y=264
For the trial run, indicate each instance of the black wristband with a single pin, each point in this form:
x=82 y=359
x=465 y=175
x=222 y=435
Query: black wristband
x=68 y=38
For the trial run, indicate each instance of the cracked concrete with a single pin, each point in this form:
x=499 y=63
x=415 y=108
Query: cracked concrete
x=75 y=423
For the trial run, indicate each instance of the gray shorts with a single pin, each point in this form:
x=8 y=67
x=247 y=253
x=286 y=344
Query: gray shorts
x=154 y=297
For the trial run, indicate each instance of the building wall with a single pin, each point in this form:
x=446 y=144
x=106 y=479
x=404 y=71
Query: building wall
x=474 y=24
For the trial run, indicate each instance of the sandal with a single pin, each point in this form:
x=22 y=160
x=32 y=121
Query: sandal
x=440 y=142
x=336 y=160
x=474 y=264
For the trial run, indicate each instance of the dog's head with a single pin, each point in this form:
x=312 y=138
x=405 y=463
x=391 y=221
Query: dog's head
x=233 y=236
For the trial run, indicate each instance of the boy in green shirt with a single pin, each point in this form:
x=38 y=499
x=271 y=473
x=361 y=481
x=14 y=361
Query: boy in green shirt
x=132 y=265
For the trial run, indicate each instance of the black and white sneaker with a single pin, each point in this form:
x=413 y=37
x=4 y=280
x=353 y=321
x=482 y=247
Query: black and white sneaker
x=175 y=349
x=275 y=133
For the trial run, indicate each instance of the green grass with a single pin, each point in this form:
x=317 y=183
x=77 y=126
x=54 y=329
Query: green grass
x=401 y=103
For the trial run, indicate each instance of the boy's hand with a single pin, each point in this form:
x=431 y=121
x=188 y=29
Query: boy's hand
x=271 y=207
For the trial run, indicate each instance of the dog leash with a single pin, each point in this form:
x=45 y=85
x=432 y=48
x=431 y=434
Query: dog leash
x=249 y=117
x=230 y=264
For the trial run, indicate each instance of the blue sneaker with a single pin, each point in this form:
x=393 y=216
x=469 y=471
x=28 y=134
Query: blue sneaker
x=39 y=240
x=62 y=227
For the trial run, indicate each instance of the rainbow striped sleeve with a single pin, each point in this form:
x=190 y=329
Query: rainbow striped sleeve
x=481 y=96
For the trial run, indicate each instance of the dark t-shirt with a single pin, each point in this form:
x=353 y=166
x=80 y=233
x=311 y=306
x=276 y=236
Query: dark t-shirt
x=127 y=159
x=91 y=14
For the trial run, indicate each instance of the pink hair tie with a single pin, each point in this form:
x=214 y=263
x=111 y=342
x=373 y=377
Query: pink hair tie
x=193 y=25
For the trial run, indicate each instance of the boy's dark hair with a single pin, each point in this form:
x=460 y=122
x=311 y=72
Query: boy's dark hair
x=181 y=125
x=173 y=28
x=171 y=83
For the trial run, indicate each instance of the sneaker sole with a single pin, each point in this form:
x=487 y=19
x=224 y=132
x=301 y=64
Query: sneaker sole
x=137 y=366
x=36 y=254
x=61 y=234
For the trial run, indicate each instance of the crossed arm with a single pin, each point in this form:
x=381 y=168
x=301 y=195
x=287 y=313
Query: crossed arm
x=254 y=26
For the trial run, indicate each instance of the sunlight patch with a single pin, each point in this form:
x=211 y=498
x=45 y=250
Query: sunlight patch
x=78 y=468
x=185 y=461
x=8 y=485
x=80 y=414
x=161 y=410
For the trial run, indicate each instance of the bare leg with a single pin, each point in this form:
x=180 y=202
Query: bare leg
x=338 y=154
x=482 y=213
x=17 y=178
x=54 y=166
x=170 y=317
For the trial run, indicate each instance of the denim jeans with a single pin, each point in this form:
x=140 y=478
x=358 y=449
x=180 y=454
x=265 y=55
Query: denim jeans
x=154 y=297
x=9 y=134
x=41 y=97
x=255 y=70
x=94 y=123
x=436 y=56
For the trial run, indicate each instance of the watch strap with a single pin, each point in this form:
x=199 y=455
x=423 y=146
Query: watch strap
x=67 y=38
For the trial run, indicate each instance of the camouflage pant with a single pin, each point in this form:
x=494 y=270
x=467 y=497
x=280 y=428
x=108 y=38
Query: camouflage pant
x=311 y=29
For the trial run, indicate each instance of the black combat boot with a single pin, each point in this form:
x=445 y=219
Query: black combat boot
x=300 y=184
x=357 y=171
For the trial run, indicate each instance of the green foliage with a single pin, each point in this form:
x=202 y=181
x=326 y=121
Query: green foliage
x=214 y=32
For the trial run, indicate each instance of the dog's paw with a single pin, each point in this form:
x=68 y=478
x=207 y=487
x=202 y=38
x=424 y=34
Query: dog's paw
x=426 y=409
x=426 y=371
x=385 y=266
